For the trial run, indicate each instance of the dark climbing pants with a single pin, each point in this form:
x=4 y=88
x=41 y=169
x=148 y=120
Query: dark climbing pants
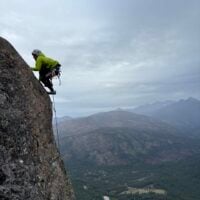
x=45 y=78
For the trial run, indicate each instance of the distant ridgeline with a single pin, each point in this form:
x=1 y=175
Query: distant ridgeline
x=30 y=165
x=121 y=155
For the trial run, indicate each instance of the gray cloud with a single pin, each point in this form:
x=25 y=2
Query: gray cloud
x=114 y=53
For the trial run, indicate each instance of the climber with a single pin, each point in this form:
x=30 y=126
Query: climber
x=47 y=67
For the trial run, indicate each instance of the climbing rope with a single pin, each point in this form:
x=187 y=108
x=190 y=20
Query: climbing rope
x=56 y=123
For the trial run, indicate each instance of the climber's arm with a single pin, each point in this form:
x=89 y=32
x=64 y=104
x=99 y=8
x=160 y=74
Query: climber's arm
x=38 y=65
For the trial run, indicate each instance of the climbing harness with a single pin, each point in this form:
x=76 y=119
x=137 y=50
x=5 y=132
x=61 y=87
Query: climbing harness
x=55 y=73
x=56 y=123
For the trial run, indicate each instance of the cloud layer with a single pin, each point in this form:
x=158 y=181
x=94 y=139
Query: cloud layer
x=114 y=53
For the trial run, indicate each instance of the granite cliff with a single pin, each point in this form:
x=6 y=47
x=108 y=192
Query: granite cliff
x=30 y=165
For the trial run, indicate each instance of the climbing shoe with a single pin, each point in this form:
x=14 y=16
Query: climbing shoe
x=52 y=92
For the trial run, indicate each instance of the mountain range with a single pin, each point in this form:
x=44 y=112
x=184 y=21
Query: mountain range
x=119 y=137
x=112 y=119
x=183 y=114
x=111 y=152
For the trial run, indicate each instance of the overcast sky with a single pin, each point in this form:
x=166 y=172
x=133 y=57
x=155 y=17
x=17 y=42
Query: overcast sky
x=114 y=53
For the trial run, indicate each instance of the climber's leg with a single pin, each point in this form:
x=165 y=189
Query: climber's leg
x=47 y=81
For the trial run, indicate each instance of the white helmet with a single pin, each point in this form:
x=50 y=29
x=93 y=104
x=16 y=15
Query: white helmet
x=36 y=52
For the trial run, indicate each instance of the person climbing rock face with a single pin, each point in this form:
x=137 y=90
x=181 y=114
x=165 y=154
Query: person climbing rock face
x=47 y=68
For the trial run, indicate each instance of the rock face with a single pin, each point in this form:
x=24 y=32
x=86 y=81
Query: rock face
x=30 y=165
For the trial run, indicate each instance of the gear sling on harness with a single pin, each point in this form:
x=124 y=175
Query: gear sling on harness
x=47 y=74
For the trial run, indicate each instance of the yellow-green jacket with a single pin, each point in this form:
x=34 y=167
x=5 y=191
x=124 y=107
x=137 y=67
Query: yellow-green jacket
x=43 y=61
